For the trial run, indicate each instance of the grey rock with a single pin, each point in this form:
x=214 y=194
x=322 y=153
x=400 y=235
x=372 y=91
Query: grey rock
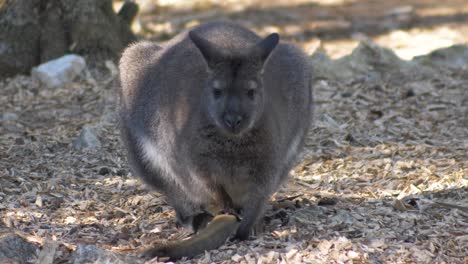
x=87 y=140
x=93 y=254
x=342 y=217
x=60 y=71
x=369 y=61
x=454 y=57
x=309 y=215
x=8 y=116
x=15 y=249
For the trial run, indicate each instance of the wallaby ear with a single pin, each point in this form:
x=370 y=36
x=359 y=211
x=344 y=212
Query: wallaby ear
x=263 y=49
x=209 y=50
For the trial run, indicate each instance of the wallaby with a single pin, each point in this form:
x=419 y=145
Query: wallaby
x=214 y=120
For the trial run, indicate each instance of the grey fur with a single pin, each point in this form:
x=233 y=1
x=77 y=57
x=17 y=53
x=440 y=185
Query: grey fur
x=176 y=133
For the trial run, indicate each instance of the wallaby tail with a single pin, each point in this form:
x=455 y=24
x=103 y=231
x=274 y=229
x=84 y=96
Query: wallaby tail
x=213 y=236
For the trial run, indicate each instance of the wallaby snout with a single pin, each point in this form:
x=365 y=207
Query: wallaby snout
x=233 y=121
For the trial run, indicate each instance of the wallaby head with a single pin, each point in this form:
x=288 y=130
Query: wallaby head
x=234 y=94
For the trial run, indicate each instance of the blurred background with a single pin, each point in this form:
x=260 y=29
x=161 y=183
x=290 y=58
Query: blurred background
x=409 y=27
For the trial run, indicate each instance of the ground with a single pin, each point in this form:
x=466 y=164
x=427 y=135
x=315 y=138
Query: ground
x=383 y=177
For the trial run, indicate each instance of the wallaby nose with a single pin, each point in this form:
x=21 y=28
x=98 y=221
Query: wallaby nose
x=232 y=120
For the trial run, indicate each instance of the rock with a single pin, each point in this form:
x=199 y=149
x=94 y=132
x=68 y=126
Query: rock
x=8 y=116
x=93 y=254
x=454 y=57
x=87 y=140
x=369 y=55
x=325 y=68
x=369 y=62
x=342 y=217
x=309 y=215
x=60 y=71
x=47 y=254
x=15 y=249
x=368 y=59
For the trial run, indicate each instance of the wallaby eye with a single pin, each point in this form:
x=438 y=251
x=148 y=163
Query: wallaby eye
x=252 y=86
x=251 y=93
x=217 y=88
x=217 y=93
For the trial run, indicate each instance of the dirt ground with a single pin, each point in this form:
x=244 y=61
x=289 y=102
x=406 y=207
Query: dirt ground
x=383 y=178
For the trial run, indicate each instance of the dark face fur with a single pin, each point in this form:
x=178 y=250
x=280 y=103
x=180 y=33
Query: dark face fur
x=234 y=92
x=234 y=97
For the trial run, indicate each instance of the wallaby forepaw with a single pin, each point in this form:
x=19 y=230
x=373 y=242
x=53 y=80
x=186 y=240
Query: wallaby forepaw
x=242 y=234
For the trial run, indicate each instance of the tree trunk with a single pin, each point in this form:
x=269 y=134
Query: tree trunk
x=35 y=31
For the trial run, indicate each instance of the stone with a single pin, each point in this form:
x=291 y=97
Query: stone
x=87 y=140
x=453 y=57
x=93 y=254
x=15 y=249
x=56 y=73
x=7 y=116
x=369 y=62
x=309 y=215
x=342 y=217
